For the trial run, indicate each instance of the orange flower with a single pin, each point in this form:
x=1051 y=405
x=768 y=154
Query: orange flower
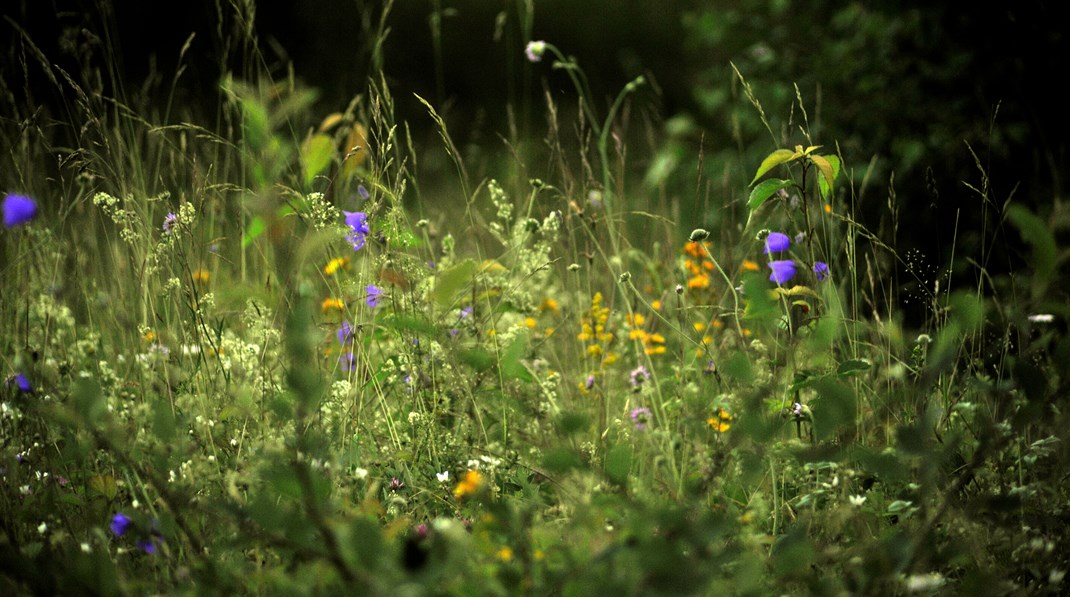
x=332 y=303
x=469 y=485
x=721 y=420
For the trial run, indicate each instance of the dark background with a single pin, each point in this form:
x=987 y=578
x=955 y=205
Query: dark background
x=901 y=86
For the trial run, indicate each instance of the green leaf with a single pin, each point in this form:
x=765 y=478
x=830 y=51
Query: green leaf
x=511 y=367
x=476 y=358
x=405 y=323
x=257 y=226
x=824 y=184
x=853 y=366
x=316 y=156
x=773 y=160
x=766 y=190
x=619 y=463
x=1036 y=233
x=452 y=280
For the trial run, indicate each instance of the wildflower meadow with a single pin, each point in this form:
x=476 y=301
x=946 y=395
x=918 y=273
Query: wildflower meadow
x=261 y=345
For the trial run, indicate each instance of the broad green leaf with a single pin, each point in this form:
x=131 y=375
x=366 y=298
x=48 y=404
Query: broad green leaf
x=773 y=160
x=257 y=226
x=476 y=358
x=452 y=280
x=316 y=156
x=766 y=190
x=853 y=366
x=1036 y=233
x=824 y=184
x=825 y=167
x=511 y=366
x=104 y=485
x=410 y=324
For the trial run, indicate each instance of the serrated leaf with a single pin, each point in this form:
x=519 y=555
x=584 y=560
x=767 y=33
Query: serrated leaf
x=765 y=190
x=824 y=185
x=104 y=485
x=773 y=160
x=316 y=156
x=853 y=366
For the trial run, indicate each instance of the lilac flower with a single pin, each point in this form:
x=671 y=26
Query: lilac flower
x=535 y=50
x=374 y=295
x=363 y=192
x=358 y=222
x=465 y=313
x=776 y=242
x=344 y=332
x=640 y=417
x=170 y=222
x=638 y=376
x=347 y=361
x=18 y=210
x=23 y=383
x=396 y=484
x=821 y=270
x=589 y=383
x=120 y=524
x=783 y=270
x=147 y=545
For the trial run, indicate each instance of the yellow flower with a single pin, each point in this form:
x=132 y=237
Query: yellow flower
x=750 y=266
x=656 y=304
x=150 y=336
x=548 y=304
x=721 y=421
x=469 y=485
x=332 y=303
x=529 y=322
x=201 y=276
x=335 y=264
x=505 y=554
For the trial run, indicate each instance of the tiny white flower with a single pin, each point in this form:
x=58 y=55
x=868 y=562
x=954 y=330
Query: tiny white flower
x=857 y=500
x=135 y=504
x=360 y=473
x=443 y=476
x=42 y=528
x=85 y=548
x=1042 y=318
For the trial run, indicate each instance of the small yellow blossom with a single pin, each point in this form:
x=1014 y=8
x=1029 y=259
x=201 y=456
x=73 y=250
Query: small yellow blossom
x=469 y=485
x=150 y=336
x=828 y=208
x=201 y=276
x=332 y=303
x=336 y=264
x=655 y=304
x=721 y=421
x=529 y=322
x=549 y=304
x=505 y=554
x=750 y=266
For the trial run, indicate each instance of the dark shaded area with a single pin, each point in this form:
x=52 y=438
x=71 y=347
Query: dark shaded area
x=909 y=83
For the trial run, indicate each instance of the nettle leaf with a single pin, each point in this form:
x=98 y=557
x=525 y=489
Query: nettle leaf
x=773 y=160
x=765 y=190
x=316 y=156
x=830 y=170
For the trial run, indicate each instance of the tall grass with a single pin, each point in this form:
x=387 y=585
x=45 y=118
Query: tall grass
x=218 y=381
